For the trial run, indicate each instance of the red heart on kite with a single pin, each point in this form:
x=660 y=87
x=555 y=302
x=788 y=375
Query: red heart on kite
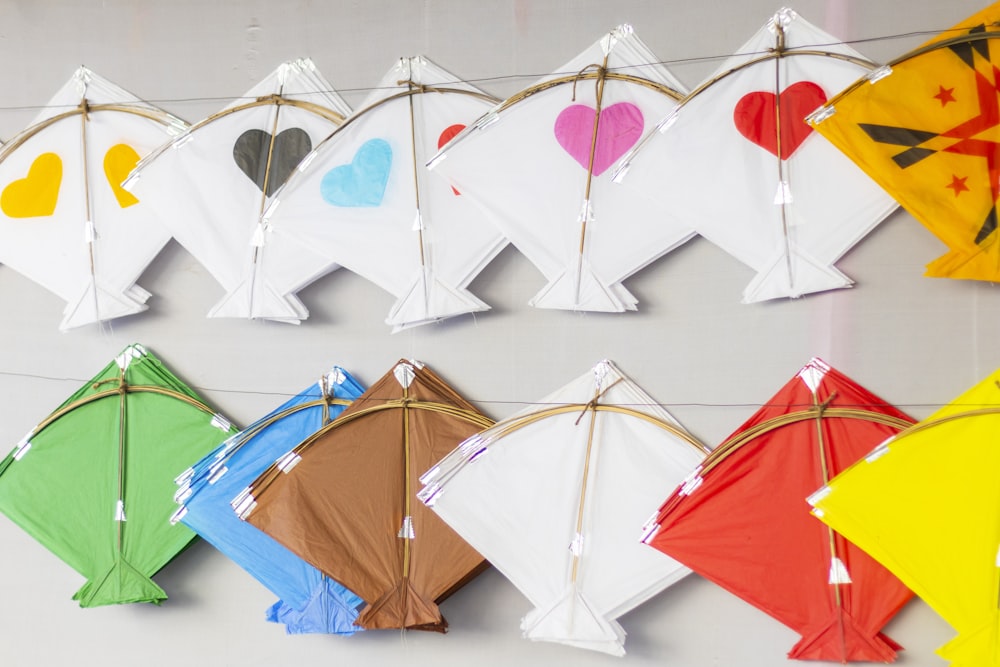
x=450 y=133
x=754 y=116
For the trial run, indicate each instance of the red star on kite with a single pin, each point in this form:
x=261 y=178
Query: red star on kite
x=974 y=137
x=945 y=95
x=958 y=184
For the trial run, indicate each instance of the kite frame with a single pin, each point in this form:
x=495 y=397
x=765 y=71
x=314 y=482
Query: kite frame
x=966 y=38
x=84 y=109
x=919 y=51
x=413 y=88
x=600 y=74
x=593 y=407
x=274 y=99
x=776 y=53
x=911 y=429
x=405 y=403
x=818 y=412
x=122 y=391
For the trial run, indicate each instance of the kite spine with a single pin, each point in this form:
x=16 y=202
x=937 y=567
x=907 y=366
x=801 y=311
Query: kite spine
x=263 y=196
x=782 y=196
x=405 y=531
x=602 y=71
x=834 y=557
x=419 y=222
x=591 y=426
x=460 y=413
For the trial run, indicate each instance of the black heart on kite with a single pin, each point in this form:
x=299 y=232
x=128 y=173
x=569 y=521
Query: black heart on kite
x=251 y=149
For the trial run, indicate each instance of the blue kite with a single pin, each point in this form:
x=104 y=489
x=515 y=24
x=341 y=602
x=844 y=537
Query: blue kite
x=310 y=602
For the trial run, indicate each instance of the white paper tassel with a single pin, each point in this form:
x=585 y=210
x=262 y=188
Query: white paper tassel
x=838 y=572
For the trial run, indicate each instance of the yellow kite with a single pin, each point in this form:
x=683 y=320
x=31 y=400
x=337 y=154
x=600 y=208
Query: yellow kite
x=926 y=127
x=926 y=505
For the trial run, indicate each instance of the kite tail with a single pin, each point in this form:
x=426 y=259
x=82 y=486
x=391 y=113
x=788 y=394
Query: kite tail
x=97 y=304
x=428 y=300
x=579 y=288
x=979 y=264
x=326 y=612
x=402 y=607
x=843 y=640
x=260 y=300
x=121 y=584
x=782 y=278
x=573 y=621
x=974 y=649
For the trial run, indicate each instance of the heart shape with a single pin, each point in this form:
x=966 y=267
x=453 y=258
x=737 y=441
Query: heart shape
x=362 y=182
x=754 y=116
x=119 y=162
x=450 y=133
x=36 y=194
x=250 y=152
x=618 y=129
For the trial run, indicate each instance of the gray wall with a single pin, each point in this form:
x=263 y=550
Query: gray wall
x=916 y=341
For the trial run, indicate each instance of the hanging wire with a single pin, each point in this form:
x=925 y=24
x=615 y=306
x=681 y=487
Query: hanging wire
x=668 y=405
x=516 y=77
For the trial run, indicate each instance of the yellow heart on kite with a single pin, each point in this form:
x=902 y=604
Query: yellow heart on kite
x=36 y=194
x=119 y=162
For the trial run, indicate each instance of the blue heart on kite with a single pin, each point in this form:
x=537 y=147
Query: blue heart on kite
x=363 y=181
x=251 y=154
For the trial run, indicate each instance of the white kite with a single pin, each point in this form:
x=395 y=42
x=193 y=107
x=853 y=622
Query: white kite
x=65 y=221
x=540 y=166
x=555 y=498
x=364 y=199
x=737 y=162
x=211 y=185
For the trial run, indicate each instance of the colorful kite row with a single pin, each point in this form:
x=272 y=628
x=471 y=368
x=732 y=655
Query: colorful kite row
x=592 y=173
x=363 y=510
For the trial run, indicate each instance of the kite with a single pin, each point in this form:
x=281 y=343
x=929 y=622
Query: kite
x=344 y=499
x=540 y=166
x=742 y=520
x=211 y=185
x=554 y=497
x=736 y=162
x=364 y=200
x=926 y=127
x=91 y=482
x=310 y=601
x=65 y=221
x=924 y=504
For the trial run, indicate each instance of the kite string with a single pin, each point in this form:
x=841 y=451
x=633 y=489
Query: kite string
x=593 y=402
x=600 y=69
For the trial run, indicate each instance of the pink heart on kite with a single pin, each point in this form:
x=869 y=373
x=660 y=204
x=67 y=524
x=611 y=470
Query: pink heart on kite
x=754 y=116
x=619 y=128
